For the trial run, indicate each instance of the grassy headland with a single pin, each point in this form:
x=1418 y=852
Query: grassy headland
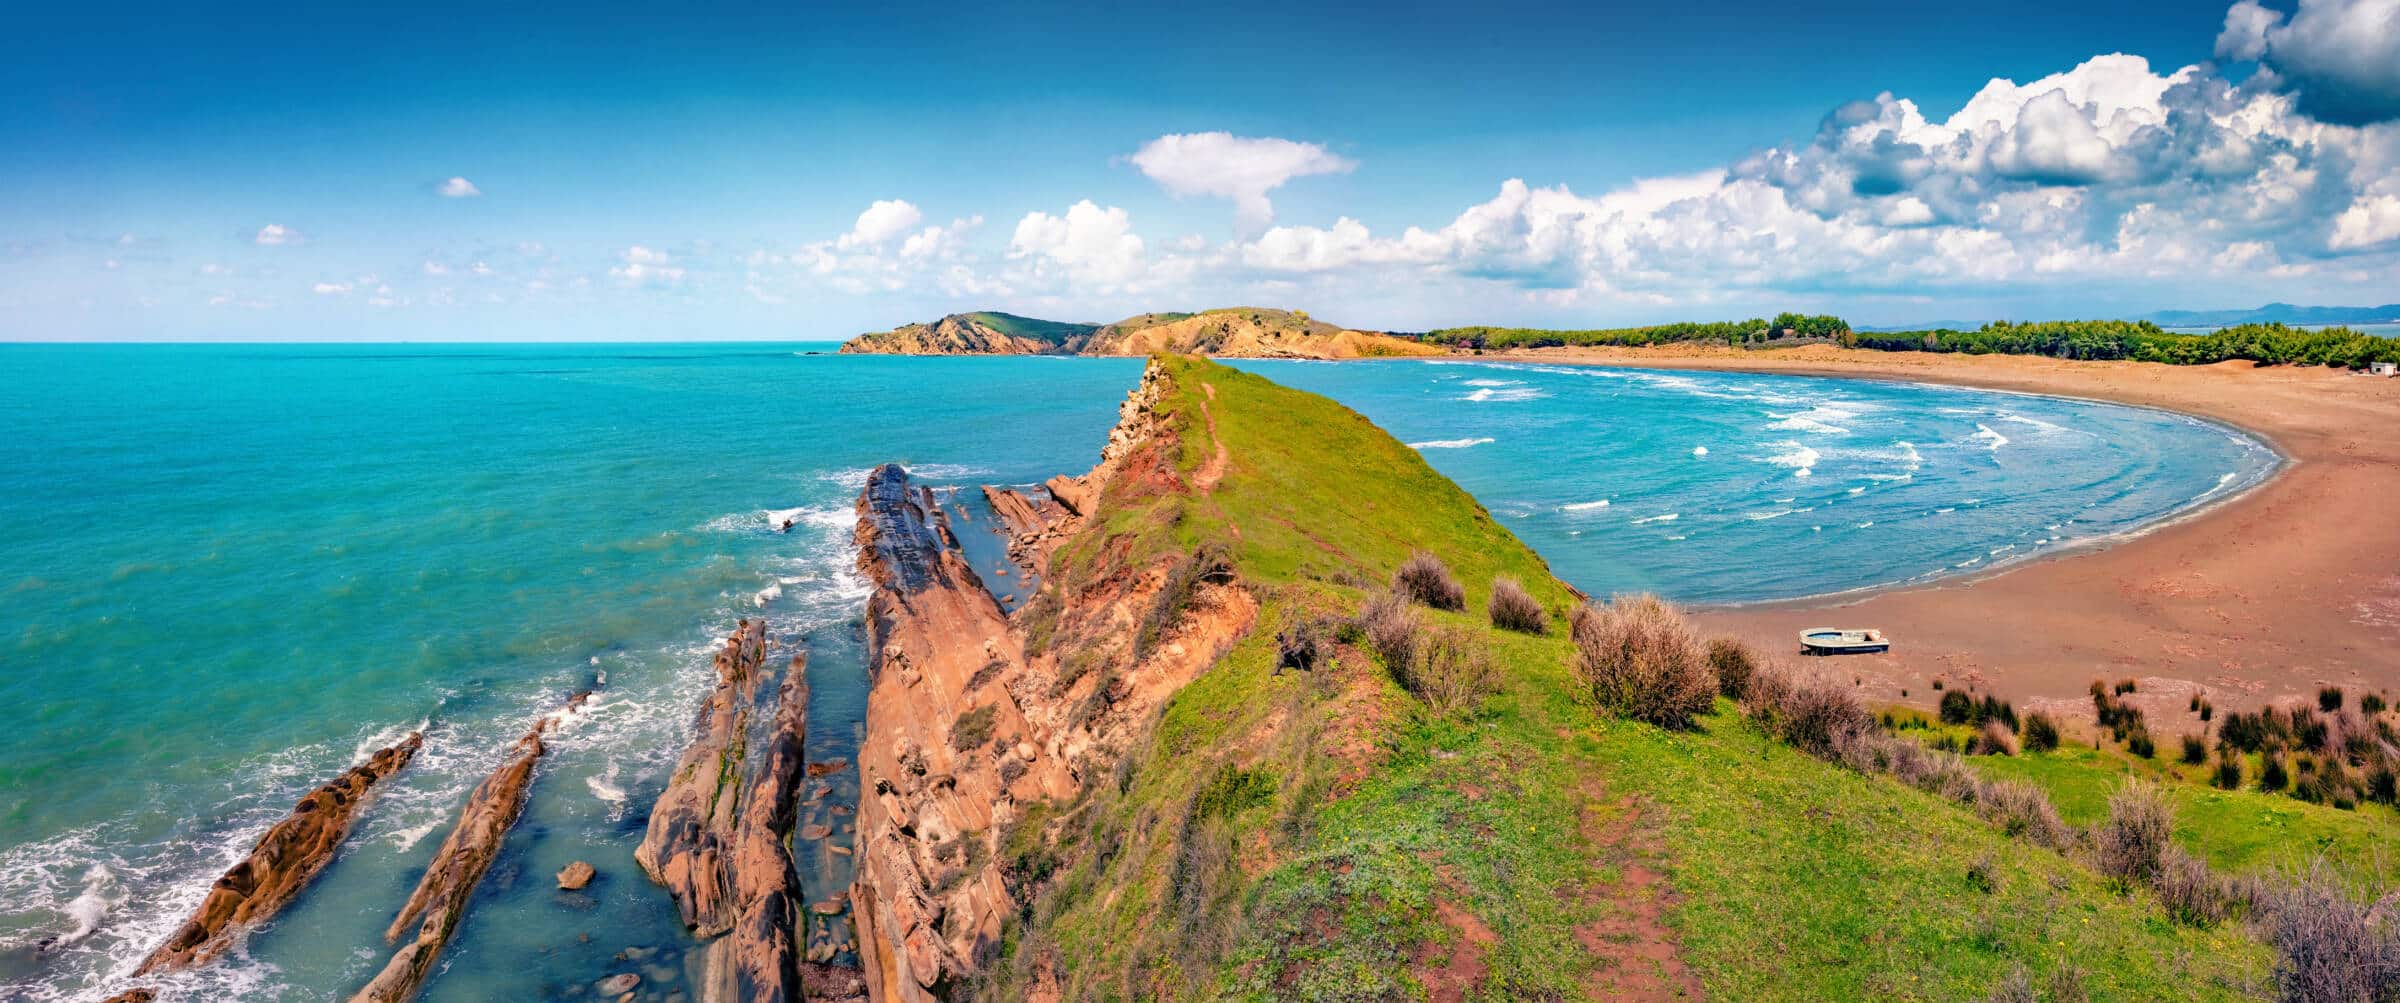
x=1368 y=797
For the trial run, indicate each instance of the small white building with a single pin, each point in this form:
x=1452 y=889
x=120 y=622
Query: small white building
x=2384 y=368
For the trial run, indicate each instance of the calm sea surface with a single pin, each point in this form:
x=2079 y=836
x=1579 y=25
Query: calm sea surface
x=227 y=572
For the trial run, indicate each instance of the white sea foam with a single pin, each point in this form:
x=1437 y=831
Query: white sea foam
x=1858 y=490
x=768 y=594
x=1794 y=455
x=1503 y=394
x=1771 y=514
x=1992 y=440
x=1699 y=450
x=856 y=478
x=1584 y=506
x=1669 y=517
x=1448 y=443
x=1494 y=383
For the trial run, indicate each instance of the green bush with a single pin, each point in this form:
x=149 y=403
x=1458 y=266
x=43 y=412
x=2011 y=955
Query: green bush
x=2041 y=732
x=974 y=728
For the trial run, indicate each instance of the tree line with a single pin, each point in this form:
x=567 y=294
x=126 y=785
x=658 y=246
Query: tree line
x=2143 y=341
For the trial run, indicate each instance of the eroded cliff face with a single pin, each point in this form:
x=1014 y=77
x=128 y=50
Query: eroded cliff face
x=966 y=729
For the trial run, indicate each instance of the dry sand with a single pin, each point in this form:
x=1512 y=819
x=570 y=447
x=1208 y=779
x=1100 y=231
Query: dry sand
x=2287 y=587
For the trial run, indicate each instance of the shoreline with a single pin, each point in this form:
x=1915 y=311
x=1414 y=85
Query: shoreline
x=2268 y=592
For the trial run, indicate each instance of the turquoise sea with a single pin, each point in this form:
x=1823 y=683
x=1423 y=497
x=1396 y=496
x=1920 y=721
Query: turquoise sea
x=227 y=571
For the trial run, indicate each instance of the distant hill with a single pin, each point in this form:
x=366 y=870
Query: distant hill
x=979 y=333
x=2277 y=313
x=1239 y=332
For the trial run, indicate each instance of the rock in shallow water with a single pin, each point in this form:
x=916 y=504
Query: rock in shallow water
x=575 y=876
x=615 y=984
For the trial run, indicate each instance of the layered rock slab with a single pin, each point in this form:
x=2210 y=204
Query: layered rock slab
x=286 y=858
x=441 y=898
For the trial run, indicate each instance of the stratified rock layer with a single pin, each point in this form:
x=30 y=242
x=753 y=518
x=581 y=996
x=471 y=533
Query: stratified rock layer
x=441 y=897
x=689 y=845
x=963 y=728
x=765 y=940
x=286 y=859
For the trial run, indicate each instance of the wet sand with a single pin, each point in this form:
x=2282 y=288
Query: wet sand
x=2289 y=586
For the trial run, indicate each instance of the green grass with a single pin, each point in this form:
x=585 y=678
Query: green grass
x=2238 y=831
x=1806 y=881
x=1235 y=854
x=1047 y=331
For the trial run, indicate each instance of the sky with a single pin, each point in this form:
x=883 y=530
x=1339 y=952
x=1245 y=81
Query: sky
x=796 y=173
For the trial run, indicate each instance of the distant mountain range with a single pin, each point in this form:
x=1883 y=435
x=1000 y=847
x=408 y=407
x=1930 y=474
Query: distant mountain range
x=2272 y=313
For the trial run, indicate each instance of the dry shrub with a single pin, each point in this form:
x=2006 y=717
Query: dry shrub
x=1994 y=740
x=1391 y=627
x=2328 y=945
x=1640 y=659
x=2021 y=809
x=1734 y=664
x=1513 y=608
x=1426 y=580
x=1818 y=714
x=2131 y=844
x=1451 y=671
x=2017 y=987
x=2191 y=894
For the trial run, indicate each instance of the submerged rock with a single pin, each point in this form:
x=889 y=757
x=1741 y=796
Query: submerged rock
x=284 y=861
x=449 y=884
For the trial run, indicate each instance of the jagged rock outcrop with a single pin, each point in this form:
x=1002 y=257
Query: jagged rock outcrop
x=1243 y=332
x=288 y=857
x=765 y=940
x=442 y=895
x=985 y=333
x=689 y=845
x=964 y=728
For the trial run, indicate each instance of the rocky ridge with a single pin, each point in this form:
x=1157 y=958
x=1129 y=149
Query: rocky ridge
x=967 y=724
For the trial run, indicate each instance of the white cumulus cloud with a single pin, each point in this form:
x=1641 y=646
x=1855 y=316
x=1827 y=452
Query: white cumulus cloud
x=880 y=223
x=275 y=234
x=457 y=188
x=1241 y=168
x=1088 y=244
x=2339 y=58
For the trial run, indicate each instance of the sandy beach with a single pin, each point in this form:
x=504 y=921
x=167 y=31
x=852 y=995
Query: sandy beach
x=2289 y=586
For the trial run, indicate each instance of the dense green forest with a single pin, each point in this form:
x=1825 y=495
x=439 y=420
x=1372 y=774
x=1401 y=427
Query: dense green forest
x=2067 y=339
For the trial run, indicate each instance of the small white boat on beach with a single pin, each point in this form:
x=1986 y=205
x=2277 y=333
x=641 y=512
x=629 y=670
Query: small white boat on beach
x=1837 y=641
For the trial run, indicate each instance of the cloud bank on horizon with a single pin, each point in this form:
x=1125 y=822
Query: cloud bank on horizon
x=2113 y=173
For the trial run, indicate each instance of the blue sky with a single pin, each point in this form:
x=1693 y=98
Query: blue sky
x=753 y=172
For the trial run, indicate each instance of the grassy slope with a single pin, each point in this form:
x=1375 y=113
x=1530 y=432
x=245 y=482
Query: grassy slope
x=1236 y=858
x=1051 y=332
x=2239 y=831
